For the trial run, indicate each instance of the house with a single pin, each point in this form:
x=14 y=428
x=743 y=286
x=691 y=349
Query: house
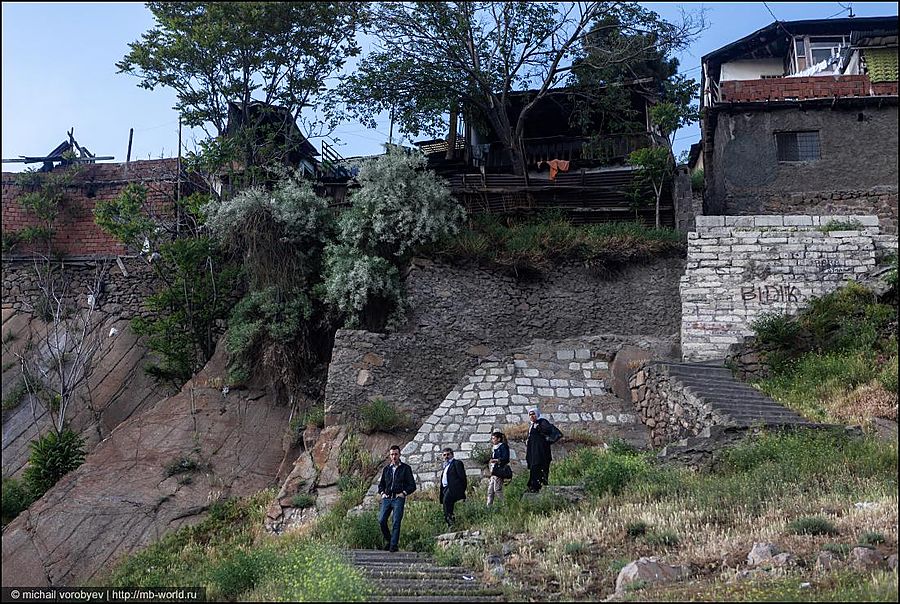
x=800 y=117
x=590 y=180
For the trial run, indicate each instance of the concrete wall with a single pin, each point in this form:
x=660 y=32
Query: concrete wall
x=463 y=315
x=739 y=267
x=857 y=173
x=751 y=69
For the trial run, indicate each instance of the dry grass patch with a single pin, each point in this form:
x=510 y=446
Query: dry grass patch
x=866 y=402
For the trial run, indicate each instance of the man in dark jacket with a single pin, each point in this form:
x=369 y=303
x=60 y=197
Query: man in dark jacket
x=453 y=484
x=537 y=451
x=397 y=482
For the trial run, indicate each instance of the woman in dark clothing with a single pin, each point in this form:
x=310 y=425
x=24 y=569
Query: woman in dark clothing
x=499 y=459
x=538 y=456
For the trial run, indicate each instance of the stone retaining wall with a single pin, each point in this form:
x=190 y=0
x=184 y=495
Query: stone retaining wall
x=463 y=315
x=740 y=267
x=123 y=291
x=668 y=410
x=571 y=381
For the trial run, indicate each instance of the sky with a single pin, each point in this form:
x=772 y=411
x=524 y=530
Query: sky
x=59 y=73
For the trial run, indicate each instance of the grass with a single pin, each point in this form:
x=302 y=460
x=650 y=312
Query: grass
x=380 y=415
x=15 y=395
x=812 y=525
x=841 y=225
x=541 y=241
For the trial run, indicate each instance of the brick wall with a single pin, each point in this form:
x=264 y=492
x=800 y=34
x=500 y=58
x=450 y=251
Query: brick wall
x=816 y=87
x=76 y=234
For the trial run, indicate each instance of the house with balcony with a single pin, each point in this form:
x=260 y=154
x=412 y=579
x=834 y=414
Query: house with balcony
x=579 y=169
x=800 y=117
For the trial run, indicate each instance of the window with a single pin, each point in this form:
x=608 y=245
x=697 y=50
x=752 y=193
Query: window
x=798 y=146
x=809 y=51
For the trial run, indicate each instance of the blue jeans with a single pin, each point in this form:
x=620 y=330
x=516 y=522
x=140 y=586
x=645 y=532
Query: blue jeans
x=388 y=505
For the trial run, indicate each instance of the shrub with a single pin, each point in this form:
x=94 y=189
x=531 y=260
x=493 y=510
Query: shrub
x=636 y=528
x=887 y=377
x=16 y=499
x=812 y=525
x=380 y=415
x=575 y=548
x=123 y=218
x=664 y=538
x=480 y=456
x=183 y=465
x=365 y=289
x=303 y=501
x=15 y=395
x=841 y=550
x=240 y=572
x=697 y=180
x=52 y=456
x=871 y=538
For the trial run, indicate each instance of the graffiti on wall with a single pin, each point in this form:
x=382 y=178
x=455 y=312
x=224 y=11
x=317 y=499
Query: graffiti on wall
x=771 y=294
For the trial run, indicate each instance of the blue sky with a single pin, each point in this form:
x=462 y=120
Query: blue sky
x=59 y=72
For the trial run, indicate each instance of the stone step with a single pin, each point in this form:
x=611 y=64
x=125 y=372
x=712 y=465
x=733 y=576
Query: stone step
x=753 y=409
x=436 y=572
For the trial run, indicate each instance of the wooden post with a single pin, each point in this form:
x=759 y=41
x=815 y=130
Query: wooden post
x=130 y=138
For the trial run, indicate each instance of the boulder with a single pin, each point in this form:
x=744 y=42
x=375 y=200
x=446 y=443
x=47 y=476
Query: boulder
x=648 y=570
x=762 y=552
x=570 y=494
x=865 y=559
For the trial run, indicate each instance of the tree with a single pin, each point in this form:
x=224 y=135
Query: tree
x=436 y=56
x=213 y=53
x=656 y=164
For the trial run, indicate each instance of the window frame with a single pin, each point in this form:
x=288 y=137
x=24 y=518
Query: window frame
x=780 y=150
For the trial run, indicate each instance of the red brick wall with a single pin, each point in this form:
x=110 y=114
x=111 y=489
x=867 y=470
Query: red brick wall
x=76 y=234
x=817 y=87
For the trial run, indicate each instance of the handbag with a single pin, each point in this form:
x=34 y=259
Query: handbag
x=504 y=472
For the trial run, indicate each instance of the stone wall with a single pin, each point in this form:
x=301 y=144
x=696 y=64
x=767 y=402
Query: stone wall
x=124 y=288
x=685 y=201
x=570 y=381
x=856 y=173
x=739 y=267
x=669 y=410
x=463 y=315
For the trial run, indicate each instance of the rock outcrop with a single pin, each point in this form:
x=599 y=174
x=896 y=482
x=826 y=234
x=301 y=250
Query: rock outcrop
x=156 y=472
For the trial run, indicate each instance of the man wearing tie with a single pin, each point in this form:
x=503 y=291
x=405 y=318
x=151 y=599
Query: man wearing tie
x=453 y=484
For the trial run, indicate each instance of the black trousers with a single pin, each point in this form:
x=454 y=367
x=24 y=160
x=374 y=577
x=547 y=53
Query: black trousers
x=449 y=503
x=538 y=475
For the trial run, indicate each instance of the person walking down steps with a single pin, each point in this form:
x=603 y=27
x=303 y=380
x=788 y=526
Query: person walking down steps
x=453 y=484
x=396 y=484
x=499 y=467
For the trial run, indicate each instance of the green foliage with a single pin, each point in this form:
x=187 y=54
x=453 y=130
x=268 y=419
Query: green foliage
x=871 y=538
x=600 y=472
x=698 y=181
x=35 y=234
x=539 y=242
x=354 y=460
x=841 y=225
x=183 y=465
x=15 y=395
x=841 y=550
x=183 y=330
x=662 y=538
x=654 y=167
x=123 y=217
x=265 y=318
x=279 y=234
x=380 y=415
x=398 y=206
x=303 y=501
x=16 y=498
x=887 y=377
x=211 y=54
x=480 y=455
x=364 y=289
x=636 y=528
x=812 y=525
x=53 y=455
x=240 y=572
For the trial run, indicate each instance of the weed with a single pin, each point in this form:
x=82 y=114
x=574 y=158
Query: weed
x=480 y=456
x=841 y=550
x=183 y=465
x=575 y=548
x=16 y=498
x=663 y=538
x=812 y=525
x=636 y=528
x=15 y=395
x=303 y=501
x=53 y=455
x=871 y=538
x=380 y=415
x=841 y=225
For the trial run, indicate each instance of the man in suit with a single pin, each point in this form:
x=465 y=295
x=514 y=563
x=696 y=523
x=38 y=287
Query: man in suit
x=453 y=484
x=537 y=451
x=397 y=482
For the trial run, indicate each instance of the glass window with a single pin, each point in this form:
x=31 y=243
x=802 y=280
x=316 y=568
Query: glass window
x=798 y=146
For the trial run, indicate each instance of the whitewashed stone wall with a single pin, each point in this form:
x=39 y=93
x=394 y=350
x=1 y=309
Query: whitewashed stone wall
x=740 y=267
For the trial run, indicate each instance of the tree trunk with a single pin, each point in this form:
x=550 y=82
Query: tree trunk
x=451 y=135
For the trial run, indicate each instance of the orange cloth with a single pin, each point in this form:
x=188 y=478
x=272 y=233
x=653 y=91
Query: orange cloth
x=557 y=165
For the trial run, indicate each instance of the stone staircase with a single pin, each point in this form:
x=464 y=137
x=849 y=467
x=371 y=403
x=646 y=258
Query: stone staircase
x=735 y=407
x=731 y=399
x=414 y=577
